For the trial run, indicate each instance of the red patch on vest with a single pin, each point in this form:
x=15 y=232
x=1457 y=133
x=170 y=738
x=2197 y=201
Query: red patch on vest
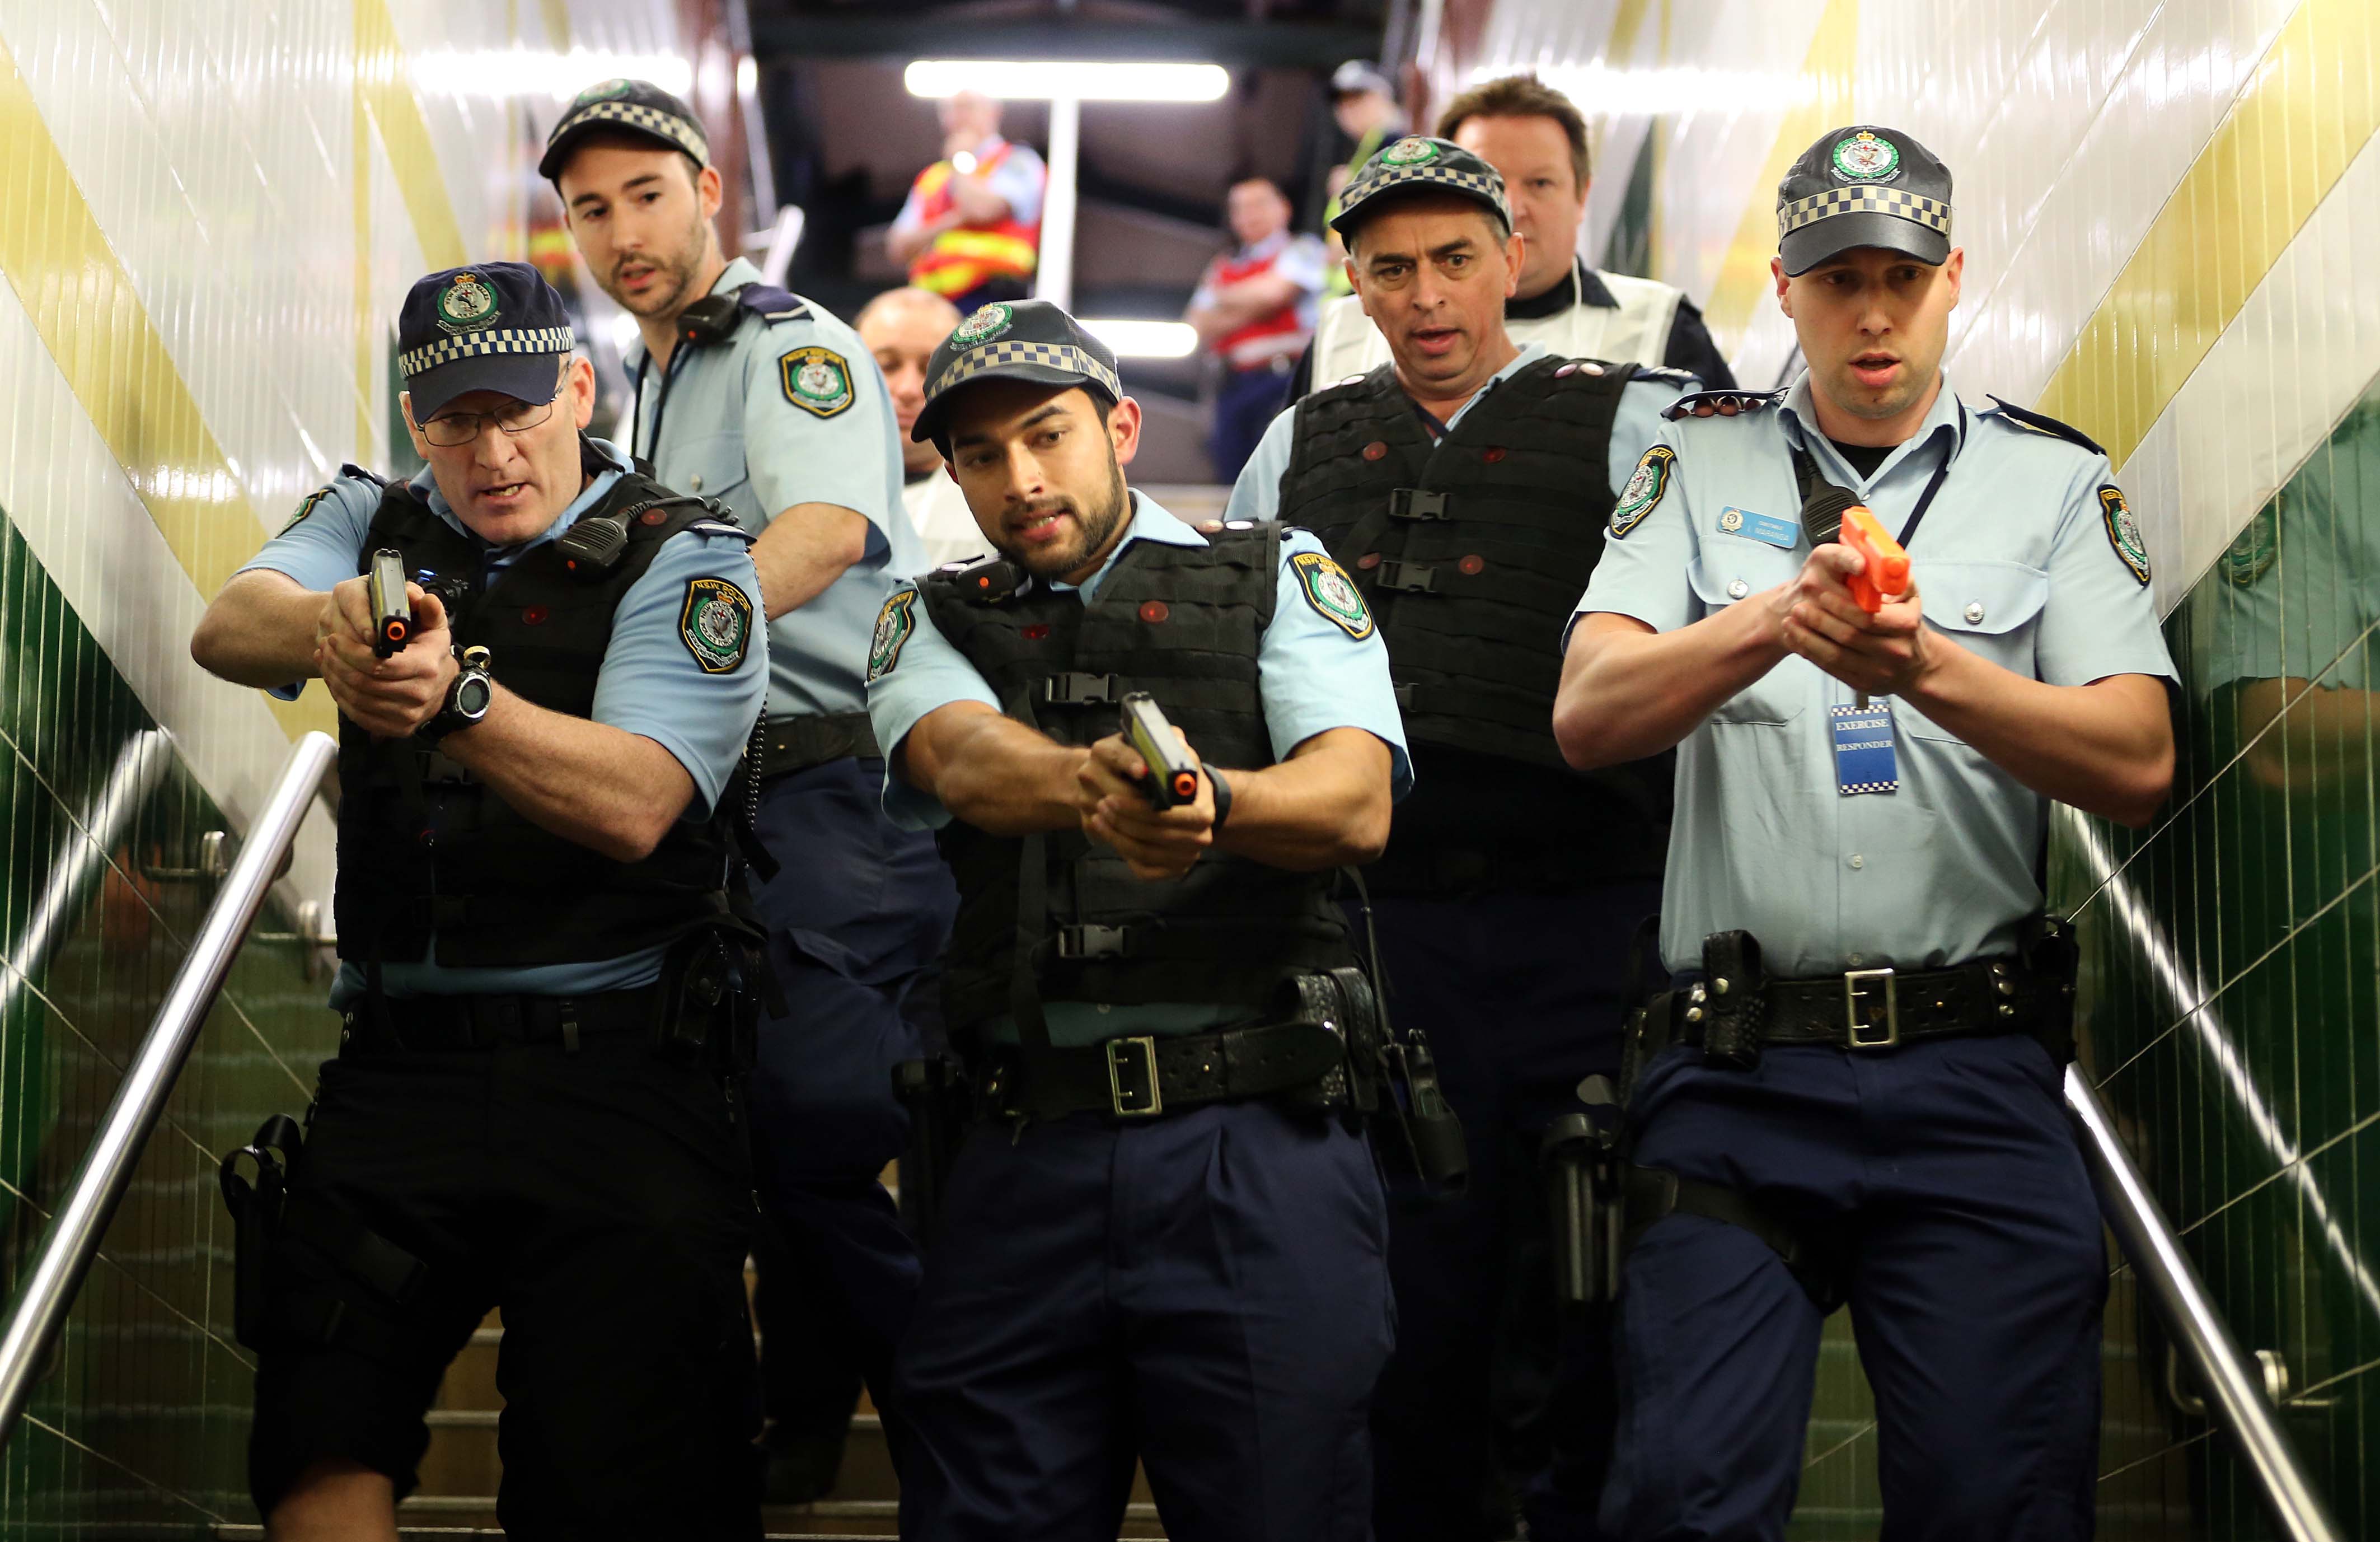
x=1473 y=564
x=1154 y=611
x=1035 y=633
x=1369 y=561
x=1375 y=449
x=534 y=616
x=652 y=516
x=1492 y=454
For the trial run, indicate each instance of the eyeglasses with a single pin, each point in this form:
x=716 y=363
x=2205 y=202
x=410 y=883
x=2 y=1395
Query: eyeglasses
x=453 y=430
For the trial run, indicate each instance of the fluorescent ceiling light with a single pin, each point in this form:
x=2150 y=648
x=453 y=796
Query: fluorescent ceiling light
x=1145 y=339
x=1017 y=80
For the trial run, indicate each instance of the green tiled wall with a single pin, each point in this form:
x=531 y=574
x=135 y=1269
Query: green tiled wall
x=141 y=1423
x=2231 y=1002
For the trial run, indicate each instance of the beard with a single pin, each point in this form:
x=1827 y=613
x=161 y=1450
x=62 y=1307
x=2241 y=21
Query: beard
x=1095 y=524
x=673 y=276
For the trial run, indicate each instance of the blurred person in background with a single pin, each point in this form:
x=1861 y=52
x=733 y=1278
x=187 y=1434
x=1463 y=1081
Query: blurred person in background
x=1254 y=311
x=971 y=230
x=902 y=328
x=1363 y=104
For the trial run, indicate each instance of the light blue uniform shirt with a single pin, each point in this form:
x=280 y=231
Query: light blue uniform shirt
x=782 y=414
x=651 y=684
x=1256 y=496
x=2017 y=560
x=1314 y=677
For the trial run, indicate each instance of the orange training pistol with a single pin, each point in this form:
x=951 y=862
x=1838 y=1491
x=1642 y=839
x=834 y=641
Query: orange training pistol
x=1886 y=572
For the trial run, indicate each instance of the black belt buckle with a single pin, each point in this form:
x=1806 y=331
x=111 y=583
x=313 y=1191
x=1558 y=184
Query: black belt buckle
x=1864 y=990
x=1091 y=942
x=1145 y=1101
x=1074 y=688
x=1412 y=503
x=1414 y=577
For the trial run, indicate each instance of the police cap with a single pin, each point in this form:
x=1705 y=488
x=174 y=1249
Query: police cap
x=492 y=326
x=1358 y=76
x=1419 y=164
x=1024 y=339
x=1864 y=186
x=624 y=106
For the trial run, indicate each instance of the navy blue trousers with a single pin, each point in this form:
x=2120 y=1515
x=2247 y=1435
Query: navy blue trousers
x=1206 y=1292
x=857 y=916
x=1244 y=408
x=1493 y=1398
x=1977 y=1280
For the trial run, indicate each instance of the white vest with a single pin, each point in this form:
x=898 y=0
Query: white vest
x=1346 y=343
x=946 y=526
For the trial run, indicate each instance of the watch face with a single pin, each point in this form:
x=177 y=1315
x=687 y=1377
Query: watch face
x=472 y=694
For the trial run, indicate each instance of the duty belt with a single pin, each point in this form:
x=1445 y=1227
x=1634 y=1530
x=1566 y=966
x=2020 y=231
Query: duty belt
x=448 y=1023
x=1144 y=1077
x=1877 y=1008
x=797 y=743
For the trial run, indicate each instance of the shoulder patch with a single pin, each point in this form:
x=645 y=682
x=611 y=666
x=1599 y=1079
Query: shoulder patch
x=2124 y=531
x=1662 y=375
x=817 y=379
x=2253 y=549
x=305 y=505
x=1703 y=404
x=1331 y=594
x=1643 y=494
x=2040 y=422
x=894 y=624
x=715 y=624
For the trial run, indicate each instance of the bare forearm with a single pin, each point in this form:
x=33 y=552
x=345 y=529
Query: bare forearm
x=2106 y=748
x=1628 y=691
x=994 y=774
x=259 y=632
x=804 y=549
x=1328 y=805
x=604 y=787
x=904 y=242
x=977 y=201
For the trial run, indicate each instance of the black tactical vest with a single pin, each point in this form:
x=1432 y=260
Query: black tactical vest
x=424 y=848
x=1181 y=623
x=1473 y=551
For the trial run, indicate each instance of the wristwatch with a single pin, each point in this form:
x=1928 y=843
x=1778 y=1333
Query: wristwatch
x=1223 y=796
x=468 y=698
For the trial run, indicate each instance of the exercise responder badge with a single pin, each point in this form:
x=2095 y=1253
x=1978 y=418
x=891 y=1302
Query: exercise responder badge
x=893 y=625
x=1645 y=485
x=1411 y=152
x=2124 y=531
x=1333 y=594
x=716 y=624
x=2253 y=549
x=305 y=506
x=989 y=321
x=1866 y=158
x=467 y=303
x=817 y=379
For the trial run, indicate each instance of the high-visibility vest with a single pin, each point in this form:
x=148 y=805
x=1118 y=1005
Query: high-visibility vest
x=959 y=260
x=1260 y=341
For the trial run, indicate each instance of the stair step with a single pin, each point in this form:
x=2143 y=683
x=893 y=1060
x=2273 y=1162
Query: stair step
x=474 y=1516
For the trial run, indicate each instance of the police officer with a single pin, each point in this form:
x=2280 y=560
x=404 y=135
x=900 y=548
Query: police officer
x=1535 y=138
x=1165 y=1240
x=1465 y=483
x=766 y=402
x=900 y=328
x=532 y=1105
x=1851 y=1089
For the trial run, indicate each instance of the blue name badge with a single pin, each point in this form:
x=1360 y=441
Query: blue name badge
x=1781 y=533
x=1865 y=760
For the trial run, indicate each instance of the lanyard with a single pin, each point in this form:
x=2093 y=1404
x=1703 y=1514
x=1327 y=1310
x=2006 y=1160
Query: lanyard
x=660 y=404
x=1805 y=470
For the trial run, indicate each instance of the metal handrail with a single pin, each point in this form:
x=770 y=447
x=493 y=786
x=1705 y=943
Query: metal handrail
x=40 y=1308
x=2236 y=1385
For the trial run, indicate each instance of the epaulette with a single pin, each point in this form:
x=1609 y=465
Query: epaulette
x=2040 y=422
x=772 y=305
x=350 y=469
x=1219 y=527
x=1742 y=401
x=723 y=527
x=1662 y=375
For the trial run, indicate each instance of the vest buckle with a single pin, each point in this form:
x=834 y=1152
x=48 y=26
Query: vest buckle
x=1416 y=577
x=1132 y=1090
x=1072 y=687
x=1092 y=942
x=1412 y=503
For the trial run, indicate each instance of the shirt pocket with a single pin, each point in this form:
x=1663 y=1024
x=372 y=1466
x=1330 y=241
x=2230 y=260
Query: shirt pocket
x=1992 y=609
x=1729 y=571
x=714 y=468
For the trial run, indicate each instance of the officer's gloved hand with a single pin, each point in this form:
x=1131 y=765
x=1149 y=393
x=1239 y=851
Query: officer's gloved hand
x=1112 y=799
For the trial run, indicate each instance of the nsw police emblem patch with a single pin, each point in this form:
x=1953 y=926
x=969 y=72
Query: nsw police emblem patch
x=893 y=625
x=989 y=321
x=1333 y=594
x=602 y=90
x=1864 y=157
x=2124 y=531
x=817 y=379
x=467 y=303
x=716 y=624
x=2254 y=549
x=1409 y=152
x=305 y=506
x=1645 y=485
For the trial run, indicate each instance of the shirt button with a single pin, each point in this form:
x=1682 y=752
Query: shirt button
x=1855 y=959
x=1105 y=1007
x=1974 y=611
x=694 y=485
x=1858 y=860
x=1737 y=590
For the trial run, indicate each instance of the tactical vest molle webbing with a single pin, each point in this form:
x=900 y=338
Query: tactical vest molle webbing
x=1473 y=551
x=1181 y=623
x=423 y=848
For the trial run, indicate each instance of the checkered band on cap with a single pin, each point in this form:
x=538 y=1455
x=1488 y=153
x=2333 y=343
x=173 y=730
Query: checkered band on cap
x=651 y=120
x=1369 y=188
x=1931 y=213
x=993 y=355
x=526 y=340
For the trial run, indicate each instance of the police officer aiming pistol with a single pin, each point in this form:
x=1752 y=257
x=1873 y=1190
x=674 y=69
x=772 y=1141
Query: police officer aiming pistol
x=1848 y=1085
x=1163 y=1237
x=534 y=1103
